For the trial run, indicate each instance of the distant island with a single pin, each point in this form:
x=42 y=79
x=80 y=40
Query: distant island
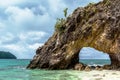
x=7 y=55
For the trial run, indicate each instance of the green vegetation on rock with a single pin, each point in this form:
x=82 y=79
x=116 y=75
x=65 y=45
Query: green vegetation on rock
x=107 y=2
x=60 y=22
x=65 y=12
x=59 y=25
x=6 y=55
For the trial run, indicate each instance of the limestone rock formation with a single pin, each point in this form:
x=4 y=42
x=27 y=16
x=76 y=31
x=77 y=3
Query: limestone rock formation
x=96 y=25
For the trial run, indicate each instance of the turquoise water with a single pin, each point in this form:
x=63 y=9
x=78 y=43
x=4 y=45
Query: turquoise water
x=16 y=70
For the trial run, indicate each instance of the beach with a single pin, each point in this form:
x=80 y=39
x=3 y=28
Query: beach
x=101 y=75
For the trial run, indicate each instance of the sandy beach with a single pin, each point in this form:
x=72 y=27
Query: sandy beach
x=101 y=75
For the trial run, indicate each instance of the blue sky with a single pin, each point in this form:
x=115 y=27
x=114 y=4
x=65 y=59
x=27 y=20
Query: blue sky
x=27 y=24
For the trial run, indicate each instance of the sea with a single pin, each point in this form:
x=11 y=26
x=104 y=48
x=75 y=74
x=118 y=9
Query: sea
x=15 y=69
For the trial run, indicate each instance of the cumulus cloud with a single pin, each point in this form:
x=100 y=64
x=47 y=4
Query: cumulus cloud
x=32 y=36
x=35 y=46
x=27 y=24
x=14 y=47
x=28 y=19
x=19 y=17
x=35 y=35
x=2 y=26
x=7 y=3
x=6 y=38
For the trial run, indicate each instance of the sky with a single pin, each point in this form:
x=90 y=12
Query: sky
x=27 y=24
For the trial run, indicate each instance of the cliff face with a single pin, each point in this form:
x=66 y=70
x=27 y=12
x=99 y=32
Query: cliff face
x=97 y=26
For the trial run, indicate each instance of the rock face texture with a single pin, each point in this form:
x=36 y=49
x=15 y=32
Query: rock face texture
x=96 y=25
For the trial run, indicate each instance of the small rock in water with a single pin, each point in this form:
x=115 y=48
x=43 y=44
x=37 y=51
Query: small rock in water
x=87 y=68
x=98 y=68
x=79 y=66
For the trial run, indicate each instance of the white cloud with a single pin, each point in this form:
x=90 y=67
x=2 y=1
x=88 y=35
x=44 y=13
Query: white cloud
x=6 y=37
x=14 y=47
x=7 y=3
x=25 y=18
x=56 y=5
x=39 y=10
x=35 y=46
x=33 y=35
x=1 y=25
x=19 y=16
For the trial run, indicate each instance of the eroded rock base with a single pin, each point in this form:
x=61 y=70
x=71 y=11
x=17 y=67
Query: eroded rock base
x=83 y=67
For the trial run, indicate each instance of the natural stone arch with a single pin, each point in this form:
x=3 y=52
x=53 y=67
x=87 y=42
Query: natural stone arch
x=96 y=26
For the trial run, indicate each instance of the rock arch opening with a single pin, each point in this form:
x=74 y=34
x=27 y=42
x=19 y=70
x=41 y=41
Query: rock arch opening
x=92 y=59
x=91 y=56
